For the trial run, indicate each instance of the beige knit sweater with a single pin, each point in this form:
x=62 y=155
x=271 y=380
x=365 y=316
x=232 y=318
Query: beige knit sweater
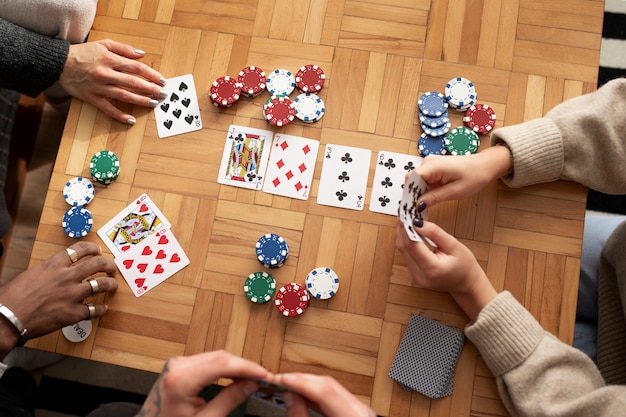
x=583 y=140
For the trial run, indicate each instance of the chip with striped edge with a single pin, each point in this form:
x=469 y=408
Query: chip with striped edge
x=78 y=191
x=259 y=287
x=322 y=283
x=292 y=299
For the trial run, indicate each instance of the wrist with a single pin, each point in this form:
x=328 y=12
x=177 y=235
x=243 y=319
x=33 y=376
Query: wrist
x=476 y=297
x=503 y=160
x=8 y=317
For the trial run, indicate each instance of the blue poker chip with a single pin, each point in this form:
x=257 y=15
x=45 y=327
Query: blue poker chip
x=434 y=121
x=78 y=191
x=438 y=131
x=432 y=103
x=429 y=145
x=77 y=222
x=280 y=82
x=272 y=250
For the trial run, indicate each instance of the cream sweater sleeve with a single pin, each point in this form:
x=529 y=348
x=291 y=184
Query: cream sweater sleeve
x=537 y=374
x=582 y=139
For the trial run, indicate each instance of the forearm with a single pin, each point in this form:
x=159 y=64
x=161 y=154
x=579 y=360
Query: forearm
x=29 y=62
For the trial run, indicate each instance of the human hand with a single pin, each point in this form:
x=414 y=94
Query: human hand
x=175 y=393
x=458 y=177
x=321 y=393
x=450 y=267
x=50 y=295
x=100 y=71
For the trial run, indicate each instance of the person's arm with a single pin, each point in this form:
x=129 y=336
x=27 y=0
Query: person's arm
x=29 y=62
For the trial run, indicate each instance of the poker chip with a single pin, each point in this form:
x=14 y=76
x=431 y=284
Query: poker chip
x=281 y=82
x=259 y=287
x=429 y=145
x=432 y=103
x=434 y=122
x=322 y=283
x=460 y=93
x=480 y=118
x=104 y=167
x=462 y=141
x=78 y=192
x=252 y=80
x=310 y=78
x=77 y=222
x=292 y=300
x=272 y=250
x=225 y=91
x=78 y=332
x=437 y=131
x=280 y=111
x=309 y=107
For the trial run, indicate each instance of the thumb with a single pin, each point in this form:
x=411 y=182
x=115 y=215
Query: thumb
x=440 y=194
x=440 y=237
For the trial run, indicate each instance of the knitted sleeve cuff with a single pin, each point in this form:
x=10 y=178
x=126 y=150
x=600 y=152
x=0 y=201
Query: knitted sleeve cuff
x=505 y=333
x=537 y=150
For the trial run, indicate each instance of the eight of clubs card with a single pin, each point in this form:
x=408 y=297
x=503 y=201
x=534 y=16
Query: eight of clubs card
x=291 y=166
x=245 y=156
x=179 y=112
x=146 y=266
x=391 y=170
x=133 y=224
x=343 y=181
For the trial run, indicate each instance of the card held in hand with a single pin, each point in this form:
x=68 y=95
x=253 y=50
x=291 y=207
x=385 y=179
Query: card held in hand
x=427 y=357
x=179 y=112
x=414 y=187
x=146 y=266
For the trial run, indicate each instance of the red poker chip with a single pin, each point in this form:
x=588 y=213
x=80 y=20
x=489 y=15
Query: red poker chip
x=292 y=299
x=280 y=111
x=225 y=91
x=310 y=78
x=480 y=118
x=252 y=80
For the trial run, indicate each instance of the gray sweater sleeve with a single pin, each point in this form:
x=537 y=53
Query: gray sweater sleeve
x=29 y=62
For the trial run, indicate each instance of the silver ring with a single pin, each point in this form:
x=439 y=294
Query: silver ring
x=72 y=254
x=92 y=310
x=94 y=286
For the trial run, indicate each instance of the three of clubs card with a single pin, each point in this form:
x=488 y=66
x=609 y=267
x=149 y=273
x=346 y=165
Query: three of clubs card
x=343 y=181
x=179 y=112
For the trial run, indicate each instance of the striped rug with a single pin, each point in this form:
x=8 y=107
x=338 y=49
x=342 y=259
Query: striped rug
x=612 y=65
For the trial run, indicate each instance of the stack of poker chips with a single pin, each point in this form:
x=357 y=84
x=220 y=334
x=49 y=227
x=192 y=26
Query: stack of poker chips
x=104 y=167
x=480 y=118
x=435 y=123
x=460 y=94
x=291 y=299
x=225 y=91
x=77 y=221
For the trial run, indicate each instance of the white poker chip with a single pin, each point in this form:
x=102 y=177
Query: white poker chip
x=322 y=283
x=78 y=332
x=460 y=93
x=78 y=192
x=309 y=107
x=280 y=82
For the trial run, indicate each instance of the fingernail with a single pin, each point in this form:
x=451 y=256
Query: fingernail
x=421 y=206
x=131 y=121
x=140 y=52
x=153 y=103
x=163 y=94
x=289 y=377
x=162 y=81
x=418 y=222
x=250 y=388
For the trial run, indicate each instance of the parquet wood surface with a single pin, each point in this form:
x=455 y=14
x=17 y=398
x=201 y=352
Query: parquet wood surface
x=525 y=56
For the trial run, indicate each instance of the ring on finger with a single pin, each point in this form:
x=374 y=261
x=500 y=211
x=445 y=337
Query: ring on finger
x=72 y=254
x=92 y=310
x=94 y=286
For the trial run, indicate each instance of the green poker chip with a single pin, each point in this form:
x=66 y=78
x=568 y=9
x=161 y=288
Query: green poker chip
x=462 y=141
x=259 y=287
x=104 y=167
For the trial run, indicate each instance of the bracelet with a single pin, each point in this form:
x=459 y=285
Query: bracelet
x=8 y=314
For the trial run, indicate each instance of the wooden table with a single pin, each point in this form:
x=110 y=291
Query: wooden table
x=524 y=57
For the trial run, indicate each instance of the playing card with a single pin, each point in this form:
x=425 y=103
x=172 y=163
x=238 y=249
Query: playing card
x=343 y=181
x=291 y=165
x=179 y=112
x=146 y=266
x=245 y=156
x=391 y=170
x=414 y=187
x=132 y=225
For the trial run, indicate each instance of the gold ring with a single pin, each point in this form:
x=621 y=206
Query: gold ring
x=94 y=286
x=72 y=254
x=92 y=310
